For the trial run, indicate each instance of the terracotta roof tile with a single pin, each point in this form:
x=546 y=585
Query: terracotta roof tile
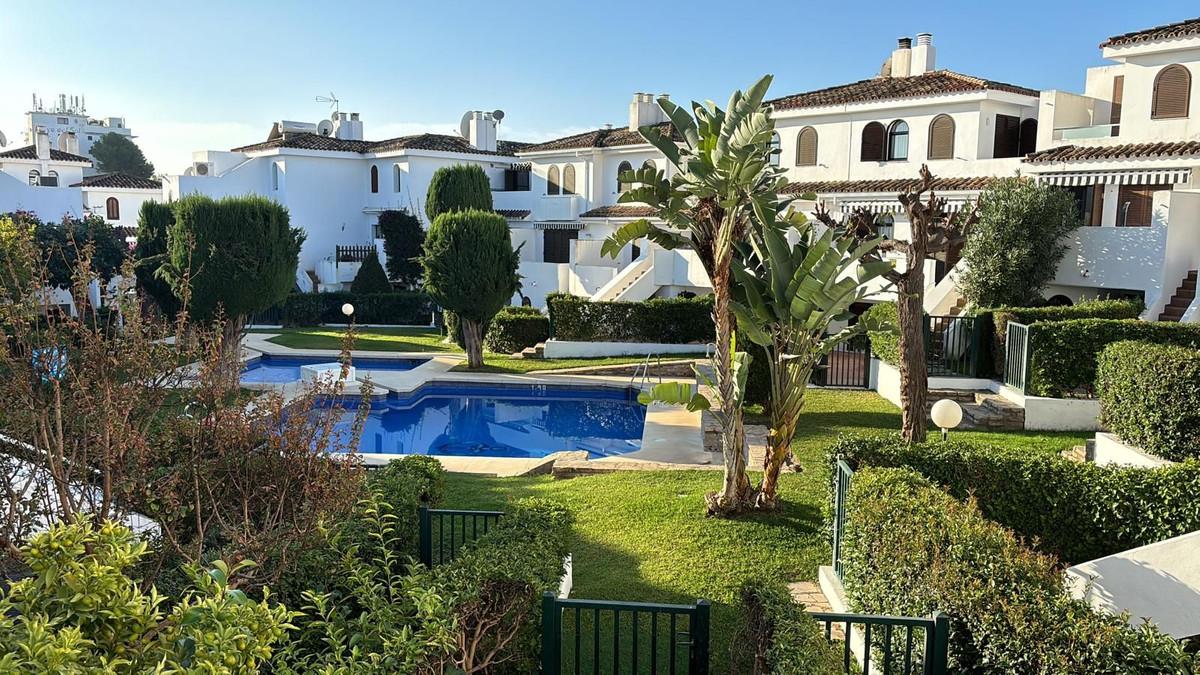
x=936 y=83
x=513 y=214
x=619 y=211
x=597 y=138
x=439 y=142
x=1179 y=29
x=1074 y=153
x=119 y=180
x=30 y=152
x=896 y=185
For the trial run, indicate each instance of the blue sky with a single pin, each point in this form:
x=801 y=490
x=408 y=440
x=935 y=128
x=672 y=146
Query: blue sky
x=217 y=74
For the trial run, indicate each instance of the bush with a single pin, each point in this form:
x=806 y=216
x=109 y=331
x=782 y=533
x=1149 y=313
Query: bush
x=664 y=320
x=398 y=308
x=1088 y=309
x=1063 y=354
x=911 y=548
x=458 y=188
x=370 y=278
x=403 y=237
x=1077 y=511
x=154 y=220
x=885 y=345
x=1150 y=397
x=515 y=328
x=779 y=637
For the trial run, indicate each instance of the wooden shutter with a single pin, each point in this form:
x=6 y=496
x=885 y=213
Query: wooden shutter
x=556 y=245
x=941 y=137
x=569 y=180
x=1007 y=141
x=1118 y=95
x=806 y=147
x=1028 y=136
x=1140 y=200
x=552 y=181
x=1097 y=215
x=374 y=179
x=1172 y=88
x=874 y=138
x=622 y=168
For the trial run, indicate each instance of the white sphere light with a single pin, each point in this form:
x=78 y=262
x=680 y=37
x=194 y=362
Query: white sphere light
x=347 y=309
x=946 y=414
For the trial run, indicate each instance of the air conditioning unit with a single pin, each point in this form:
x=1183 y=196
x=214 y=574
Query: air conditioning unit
x=203 y=168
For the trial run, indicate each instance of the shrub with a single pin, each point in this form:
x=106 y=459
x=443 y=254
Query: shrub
x=1088 y=309
x=1063 y=353
x=154 y=220
x=1150 y=397
x=370 y=277
x=401 y=308
x=403 y=237
x=664 y=320
x=458 y=188
x=303 y=309
x=911 y=548
x=779 y=637
x=885 y=344
x=515 y=328
x=1077 y=511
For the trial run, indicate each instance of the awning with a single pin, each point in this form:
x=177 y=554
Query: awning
x=892 y=205
x=558 y=226
x=1122 y=177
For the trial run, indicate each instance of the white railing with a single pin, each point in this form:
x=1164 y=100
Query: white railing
x=1083 y=133
x=303 y=282
x=614 y=289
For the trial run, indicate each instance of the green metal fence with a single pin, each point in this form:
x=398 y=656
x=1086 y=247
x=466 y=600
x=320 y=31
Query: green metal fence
x=841 y=489
x=894 y=644
x=954 y=345
x=601 y=636
x=1016 y=356
x=443 y=532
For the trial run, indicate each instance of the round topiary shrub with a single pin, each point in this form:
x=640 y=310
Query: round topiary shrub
x=516 y=328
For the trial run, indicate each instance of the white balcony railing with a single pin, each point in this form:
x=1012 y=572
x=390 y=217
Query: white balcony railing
x=557 y=207
x=1084 y=133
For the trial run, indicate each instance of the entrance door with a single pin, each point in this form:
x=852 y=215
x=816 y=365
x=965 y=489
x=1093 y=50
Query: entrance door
x=556 y=245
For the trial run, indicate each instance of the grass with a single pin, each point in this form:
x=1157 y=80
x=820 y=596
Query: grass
x=642 y=536
x=499 y=363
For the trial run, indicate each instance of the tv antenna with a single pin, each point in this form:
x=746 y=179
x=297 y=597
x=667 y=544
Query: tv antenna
x=331 y=100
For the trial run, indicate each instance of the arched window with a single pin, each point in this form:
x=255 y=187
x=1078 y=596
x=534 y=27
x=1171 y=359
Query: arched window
x=806 y=147
x=623 y=168
x=112 y=208
x=396 y=177
x=35 y=177
x=1028 y=136
x=873 y=139
x=1172 y=88
x=374 y=179
x=275 y=176
x=649 y=164
x=51 y=179
x=941 y=137
x=568 y=185
x=775 y=145
x=897 y=146
x=552 y=181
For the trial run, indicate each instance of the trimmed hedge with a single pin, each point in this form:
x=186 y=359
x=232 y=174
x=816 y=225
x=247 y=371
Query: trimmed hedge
x=779 y=637
x=1077 y=511
x=664 y=320
x=1063 y=354
x=516 y=328
x=1150 y=397
x=911 y=548
x=1088 y=309
x=401 y=308
x=885 y=345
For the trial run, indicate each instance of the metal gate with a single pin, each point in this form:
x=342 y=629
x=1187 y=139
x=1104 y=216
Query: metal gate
x=848 y=365
x=600 y=636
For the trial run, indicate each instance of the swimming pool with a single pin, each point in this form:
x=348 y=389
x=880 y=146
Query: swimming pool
x=267 y=369
x=502 y=420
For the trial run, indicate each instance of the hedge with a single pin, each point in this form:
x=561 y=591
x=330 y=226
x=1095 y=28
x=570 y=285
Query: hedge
x=779 y=637
x=1077 y=511
x=911 y=548
x=1089 y=309
x=400 y=308
x=1063 y=354
x=664 y=320
x=1150 y=397
x=885 y=344
x=516 y=328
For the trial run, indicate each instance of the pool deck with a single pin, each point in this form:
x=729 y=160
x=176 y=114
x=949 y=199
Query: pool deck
x=671 y=438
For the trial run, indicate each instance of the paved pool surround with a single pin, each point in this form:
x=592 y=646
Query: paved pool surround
x=671 y=434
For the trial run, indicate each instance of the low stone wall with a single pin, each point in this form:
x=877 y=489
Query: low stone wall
x=1110 y=449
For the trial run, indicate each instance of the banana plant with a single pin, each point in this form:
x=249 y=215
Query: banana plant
x=788 y=295
x=721 y=175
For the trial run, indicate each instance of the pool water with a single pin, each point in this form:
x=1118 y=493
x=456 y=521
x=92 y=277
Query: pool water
x=283 y=369
x=487 y=420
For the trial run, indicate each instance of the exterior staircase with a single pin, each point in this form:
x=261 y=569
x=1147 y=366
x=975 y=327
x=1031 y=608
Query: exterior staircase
x=537 y=351
x=958 y=306
x=982 y=409
x=1183 y=298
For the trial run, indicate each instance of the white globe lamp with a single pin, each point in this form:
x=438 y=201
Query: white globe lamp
x=947 y=415
x=347 y=309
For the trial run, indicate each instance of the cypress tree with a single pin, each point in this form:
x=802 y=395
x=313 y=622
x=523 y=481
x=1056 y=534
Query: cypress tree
x=371 y=278
x=458 y=188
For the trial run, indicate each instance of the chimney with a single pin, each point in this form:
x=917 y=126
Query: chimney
x=644 y=111
x=901 y=58
x=347 y=126
x=924 y=56
x=69 y=142
x=481 y=130
x=43 y=143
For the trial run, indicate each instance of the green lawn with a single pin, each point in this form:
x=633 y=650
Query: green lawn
x=499 y=363
x=642 y=536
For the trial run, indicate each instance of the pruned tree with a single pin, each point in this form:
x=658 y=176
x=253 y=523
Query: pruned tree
x=458 y=188
x=154 y=222
x=933 y=231
x=403 y=238
x=371 y=278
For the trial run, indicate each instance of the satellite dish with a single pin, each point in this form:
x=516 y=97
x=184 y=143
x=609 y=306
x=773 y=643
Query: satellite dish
x=325 y=128
x=3 y=140
x=497 y=115
x=464 y=125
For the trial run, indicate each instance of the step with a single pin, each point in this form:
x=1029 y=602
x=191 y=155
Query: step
x=959 y=396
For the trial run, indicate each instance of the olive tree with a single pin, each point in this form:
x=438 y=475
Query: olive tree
x=470 y=269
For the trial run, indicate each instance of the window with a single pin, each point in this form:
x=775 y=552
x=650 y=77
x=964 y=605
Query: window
x=568 y=184
x=516 y=179
x=35 y=177
x=374 y=179
x=112 y=208
x=1135 y=205
x=1089 y=202
x=1007 y=139
x=885 y=225
x=623 y=168
x=1114 y=110
x=62 y=120
x=1028 y=136
x=1172 y=88
x=775 y=145
x=552 y=181
x=873 y=138
x=941 y=137
x=51 y=179
x=396 y=177
x=275 y=176
x=556 y=245
x=897 y=140
x=649 y=164
x=806 y=147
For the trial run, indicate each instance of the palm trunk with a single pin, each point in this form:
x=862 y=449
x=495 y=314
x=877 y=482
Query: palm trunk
x=735 y=490
x=788 y=384
x=473 y=342
x=914 y=372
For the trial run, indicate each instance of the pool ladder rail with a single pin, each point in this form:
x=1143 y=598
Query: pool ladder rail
x=643 y=369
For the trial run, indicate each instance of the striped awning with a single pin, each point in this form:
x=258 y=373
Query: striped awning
x=1122 y=177
x=892 y=205
x=558 y=226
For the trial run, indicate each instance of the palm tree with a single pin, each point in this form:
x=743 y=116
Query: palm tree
x=723 y=175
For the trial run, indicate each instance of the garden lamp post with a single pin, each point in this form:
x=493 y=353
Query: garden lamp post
x=946 y=414
x=348 y=342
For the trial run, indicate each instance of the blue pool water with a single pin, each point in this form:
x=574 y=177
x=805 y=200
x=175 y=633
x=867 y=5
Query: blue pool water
x=487 y=420
x=283 y=369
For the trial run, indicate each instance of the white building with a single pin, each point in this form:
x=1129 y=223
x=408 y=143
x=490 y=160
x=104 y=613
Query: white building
x=117 y=197
x=1128 y=148
x=38 y=177
x=68 y=116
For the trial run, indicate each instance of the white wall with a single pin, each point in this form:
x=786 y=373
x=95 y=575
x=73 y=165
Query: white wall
x=129 y=202
x=1112 y=258
x=49 y=203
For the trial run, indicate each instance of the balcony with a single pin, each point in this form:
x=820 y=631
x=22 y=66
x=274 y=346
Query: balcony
x=1088 y=132
x=557 y=207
